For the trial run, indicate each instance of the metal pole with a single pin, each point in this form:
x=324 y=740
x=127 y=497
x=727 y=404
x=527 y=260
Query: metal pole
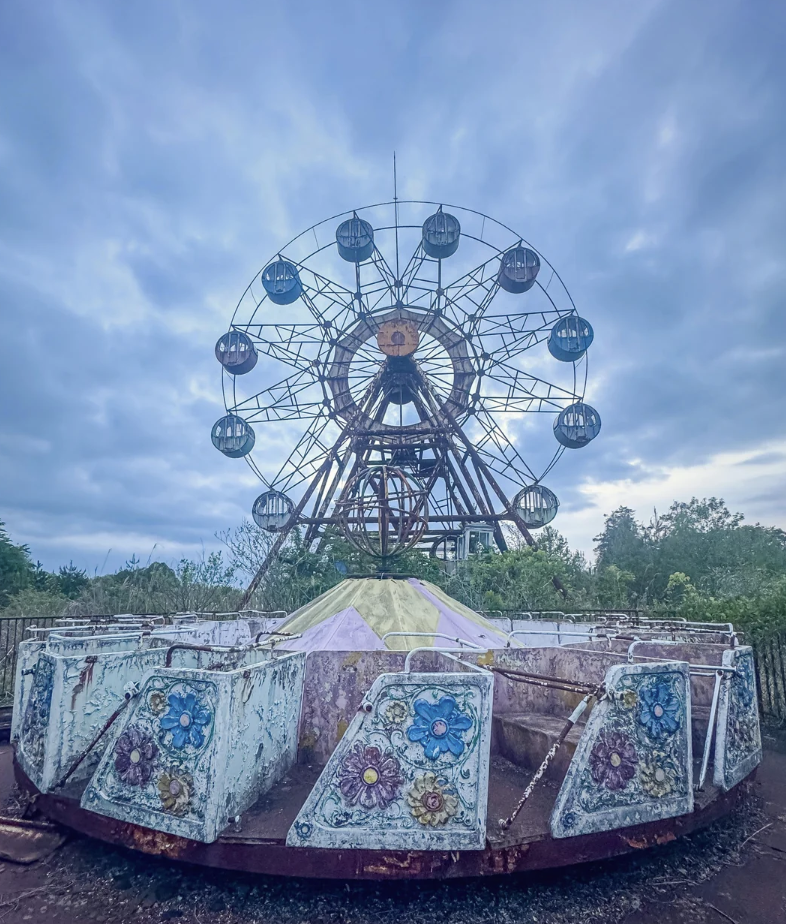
x=482 y=468
x=283 y=534
x=705 y=760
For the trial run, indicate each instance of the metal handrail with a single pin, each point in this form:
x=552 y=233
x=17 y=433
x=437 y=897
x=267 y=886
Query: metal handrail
x=588 y=634
x=696 y=670
x=273 y=632
x=705 y=760
x=450 y=638
x=447 y=652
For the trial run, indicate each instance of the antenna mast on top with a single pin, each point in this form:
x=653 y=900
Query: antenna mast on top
x=395 y=209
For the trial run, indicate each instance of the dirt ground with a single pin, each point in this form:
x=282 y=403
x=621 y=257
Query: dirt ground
x=733 y=872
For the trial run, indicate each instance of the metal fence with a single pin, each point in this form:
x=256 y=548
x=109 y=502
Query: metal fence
x=13 y=630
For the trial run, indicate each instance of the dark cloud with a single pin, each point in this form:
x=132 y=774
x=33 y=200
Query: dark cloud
x=153 y=156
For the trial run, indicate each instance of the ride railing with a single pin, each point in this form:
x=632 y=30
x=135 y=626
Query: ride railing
x=770 y=651
x=15 y=629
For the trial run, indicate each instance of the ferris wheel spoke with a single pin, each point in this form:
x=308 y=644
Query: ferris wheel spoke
x=503 y=371
x=284 y=400
x=498 y=344
x=522 y=391
x=297 y=345
x=512 y=328
x=480 y=274
x=513 y=334
x=512 y=459
x=479 y=279
x=375 y=299
x=305 y=458
x=411 y=270
x=325 y=298
x=386 y=274
x=500 y=465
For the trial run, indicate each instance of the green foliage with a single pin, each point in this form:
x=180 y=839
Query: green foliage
x=625 y=545
x=71 y=581
x=521 y=579
x=614 y=587
x=698 y=559
x=299 y=574
x=701 y=540
x=37 y=604
x=679 y=590
x=203 y=585
x=16 y=569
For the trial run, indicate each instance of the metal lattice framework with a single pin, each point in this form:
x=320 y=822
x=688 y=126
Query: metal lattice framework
x=414 y=336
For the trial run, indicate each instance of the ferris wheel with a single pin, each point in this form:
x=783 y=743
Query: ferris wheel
x=406 y=352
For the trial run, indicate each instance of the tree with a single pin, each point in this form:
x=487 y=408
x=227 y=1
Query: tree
x=625 y=544
x=613 y=587
x=720 y=555
x=520 y=579
x=16 y=569
x=70 y=581
x=705 y=516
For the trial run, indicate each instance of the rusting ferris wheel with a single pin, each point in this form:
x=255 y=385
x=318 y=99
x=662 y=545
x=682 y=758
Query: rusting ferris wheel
x=414 y=334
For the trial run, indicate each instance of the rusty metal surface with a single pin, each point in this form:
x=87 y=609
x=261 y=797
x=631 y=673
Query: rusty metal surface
x=23 y=841
x=259 y=846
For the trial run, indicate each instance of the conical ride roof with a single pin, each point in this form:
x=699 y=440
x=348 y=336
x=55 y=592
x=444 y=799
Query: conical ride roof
x=355 y=615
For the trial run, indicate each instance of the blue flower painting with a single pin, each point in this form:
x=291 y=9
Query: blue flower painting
x=659 y=709
x=439 y=727
x=186 y=719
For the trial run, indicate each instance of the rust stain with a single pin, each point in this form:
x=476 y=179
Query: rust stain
x=485 y=659
x=390 y=865
x=639 y=843
x=85 y=679
x=155 y=842
x=341 y=728
x=351 y=660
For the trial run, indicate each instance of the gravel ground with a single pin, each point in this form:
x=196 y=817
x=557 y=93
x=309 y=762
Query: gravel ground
x=86 y=881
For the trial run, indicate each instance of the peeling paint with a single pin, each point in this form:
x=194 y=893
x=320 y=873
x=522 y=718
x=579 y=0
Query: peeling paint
x=85 y=679
x=411 y=772
x=190 y=754
x=634 y=761
x=738 y=747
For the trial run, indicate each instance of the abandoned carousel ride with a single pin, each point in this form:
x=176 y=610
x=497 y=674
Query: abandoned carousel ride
x=385 y=730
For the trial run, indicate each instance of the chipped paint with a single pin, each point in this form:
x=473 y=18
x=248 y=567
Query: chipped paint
x=198 y=747
x=411 y=772
x=738 y=747
x=85 y=679
x=634 y=760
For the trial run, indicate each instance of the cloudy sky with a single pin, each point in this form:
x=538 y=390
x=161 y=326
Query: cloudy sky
x=154 y=155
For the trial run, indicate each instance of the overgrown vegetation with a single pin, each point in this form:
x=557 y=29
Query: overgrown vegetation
x=698 y=560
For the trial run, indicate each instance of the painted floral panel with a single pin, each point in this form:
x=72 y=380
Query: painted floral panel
x=738 y=745
x=160 y=760
x=634 y=761
x=410 y=772
x=35 y=722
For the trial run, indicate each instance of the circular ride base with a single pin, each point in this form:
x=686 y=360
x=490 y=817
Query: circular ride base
x=257 y=843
